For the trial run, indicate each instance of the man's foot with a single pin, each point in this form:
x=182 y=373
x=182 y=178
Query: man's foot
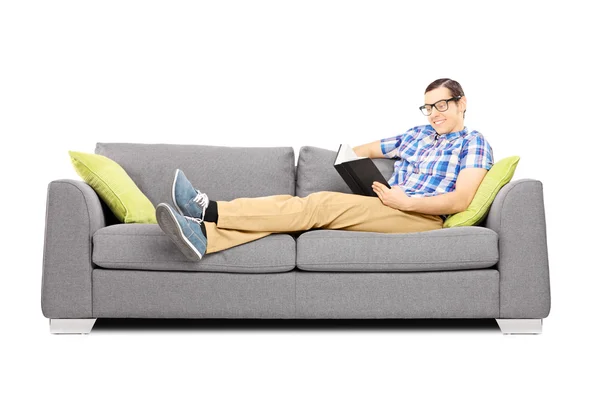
x=188 y=200
x=187 y=233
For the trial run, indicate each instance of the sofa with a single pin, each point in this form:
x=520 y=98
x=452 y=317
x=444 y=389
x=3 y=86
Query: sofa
x=95 y=267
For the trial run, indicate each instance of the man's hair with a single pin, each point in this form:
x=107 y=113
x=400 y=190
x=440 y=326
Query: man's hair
x=454 y=87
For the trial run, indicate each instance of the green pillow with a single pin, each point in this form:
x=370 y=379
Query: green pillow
x=115 y=187
x=499 y=175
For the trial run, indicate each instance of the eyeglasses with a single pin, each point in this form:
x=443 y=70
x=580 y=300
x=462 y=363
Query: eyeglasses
x=441 y=106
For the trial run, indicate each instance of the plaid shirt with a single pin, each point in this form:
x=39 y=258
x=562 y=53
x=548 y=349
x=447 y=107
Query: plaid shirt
x=429 y=163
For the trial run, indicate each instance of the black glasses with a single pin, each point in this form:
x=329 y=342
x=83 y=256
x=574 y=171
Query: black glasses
x=441 y=106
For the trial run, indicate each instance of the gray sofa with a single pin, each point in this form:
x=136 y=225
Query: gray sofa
x=95 y=267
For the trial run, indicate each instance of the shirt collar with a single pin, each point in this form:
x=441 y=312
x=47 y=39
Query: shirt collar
x=448 y=136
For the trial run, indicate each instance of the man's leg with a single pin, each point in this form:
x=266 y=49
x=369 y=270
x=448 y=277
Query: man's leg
x=320 y=210
x=246 y=219
x=242 y=220
x=221 y=239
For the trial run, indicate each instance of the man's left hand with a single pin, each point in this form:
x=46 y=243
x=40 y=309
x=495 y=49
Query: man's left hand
x=394 y=197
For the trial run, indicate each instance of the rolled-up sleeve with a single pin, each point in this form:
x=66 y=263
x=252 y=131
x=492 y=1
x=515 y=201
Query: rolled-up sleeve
x=477 y=153
x=390 y=147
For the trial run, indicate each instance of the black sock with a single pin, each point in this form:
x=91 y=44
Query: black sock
x=211 y=214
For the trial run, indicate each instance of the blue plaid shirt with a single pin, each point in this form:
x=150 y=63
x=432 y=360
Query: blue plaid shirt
x=429 y=163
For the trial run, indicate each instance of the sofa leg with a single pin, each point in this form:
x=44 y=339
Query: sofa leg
x=63 y=325
x=519 y=326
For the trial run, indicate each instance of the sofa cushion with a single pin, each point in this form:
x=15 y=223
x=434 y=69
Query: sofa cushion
x=469 y=247
x=499 y=175
x=112 y=184
x=146 y=247
x=316 y=172
x=223 y=173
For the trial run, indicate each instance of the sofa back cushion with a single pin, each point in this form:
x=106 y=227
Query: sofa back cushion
x=222 y=172
x=316 y=172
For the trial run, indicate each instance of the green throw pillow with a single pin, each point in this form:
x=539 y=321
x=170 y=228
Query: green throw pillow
x=115 y=187
x=499 y=175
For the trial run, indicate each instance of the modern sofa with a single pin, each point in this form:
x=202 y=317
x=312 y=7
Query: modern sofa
x=95 y=267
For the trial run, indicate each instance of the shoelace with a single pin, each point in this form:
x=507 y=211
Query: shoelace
x=202 y=200
x=193 y=219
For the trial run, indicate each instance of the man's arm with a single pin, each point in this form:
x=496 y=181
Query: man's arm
x=371 y=150
x=447 y=203
x=467 y=183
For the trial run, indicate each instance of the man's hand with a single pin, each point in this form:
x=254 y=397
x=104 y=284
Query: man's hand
x=394 y=197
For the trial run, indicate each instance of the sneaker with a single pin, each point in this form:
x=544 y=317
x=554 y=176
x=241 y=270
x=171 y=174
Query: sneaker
x=188 y=200
x=187 y=233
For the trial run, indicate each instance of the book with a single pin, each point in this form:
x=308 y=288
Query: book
x=359 y=173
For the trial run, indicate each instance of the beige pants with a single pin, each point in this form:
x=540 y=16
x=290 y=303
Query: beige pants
x=246 y=219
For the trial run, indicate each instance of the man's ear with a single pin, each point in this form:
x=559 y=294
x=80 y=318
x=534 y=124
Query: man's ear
x=463 y=102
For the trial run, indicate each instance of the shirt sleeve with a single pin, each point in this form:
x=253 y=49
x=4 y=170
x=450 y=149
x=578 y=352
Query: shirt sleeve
x=477 y=153
x=390 y=147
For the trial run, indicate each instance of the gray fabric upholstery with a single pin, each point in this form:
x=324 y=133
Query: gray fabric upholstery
x=446 y=294
x=518 y=216
x=146 y=247
x=468 y=247
x=73 y=213
x=296 y=294
x=158 y=294
x=92 y=268
x=316 y=172
x=223 y=173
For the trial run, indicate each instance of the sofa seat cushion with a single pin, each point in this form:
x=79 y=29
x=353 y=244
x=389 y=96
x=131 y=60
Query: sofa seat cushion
x=469 y=247
x=146 y=247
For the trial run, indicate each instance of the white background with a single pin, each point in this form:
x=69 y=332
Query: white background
x=281 y=73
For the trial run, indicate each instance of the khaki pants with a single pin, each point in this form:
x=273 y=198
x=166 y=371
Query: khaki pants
x=246 y=219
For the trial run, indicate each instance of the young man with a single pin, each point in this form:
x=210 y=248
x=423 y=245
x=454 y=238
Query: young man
x=439 y=168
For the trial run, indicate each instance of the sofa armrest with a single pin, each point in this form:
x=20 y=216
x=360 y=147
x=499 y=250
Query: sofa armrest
x=73 y=213
x=517 y=216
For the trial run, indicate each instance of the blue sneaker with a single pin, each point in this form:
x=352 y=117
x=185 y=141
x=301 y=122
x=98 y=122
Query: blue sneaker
x=188 y=200
x=187 y=233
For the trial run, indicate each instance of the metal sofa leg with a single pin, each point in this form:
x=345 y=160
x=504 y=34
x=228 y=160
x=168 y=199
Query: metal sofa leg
x=520 y=326
x=63 y=325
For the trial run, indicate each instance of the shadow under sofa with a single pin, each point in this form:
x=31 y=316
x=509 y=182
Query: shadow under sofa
x=95 y=267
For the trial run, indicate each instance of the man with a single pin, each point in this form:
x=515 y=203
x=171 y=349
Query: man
x=439 y=168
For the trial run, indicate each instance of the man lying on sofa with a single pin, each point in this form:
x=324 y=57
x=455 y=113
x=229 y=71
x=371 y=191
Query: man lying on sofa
x=440 y=167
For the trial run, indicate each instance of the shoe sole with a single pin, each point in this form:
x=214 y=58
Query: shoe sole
x=168 y=223
x=173 y=192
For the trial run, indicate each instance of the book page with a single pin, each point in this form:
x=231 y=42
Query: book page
x=345 y=153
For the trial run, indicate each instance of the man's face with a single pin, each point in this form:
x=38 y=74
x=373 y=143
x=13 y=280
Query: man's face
x=450 y=120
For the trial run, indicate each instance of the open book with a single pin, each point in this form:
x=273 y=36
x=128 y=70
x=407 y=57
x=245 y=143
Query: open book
x=359 y=173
